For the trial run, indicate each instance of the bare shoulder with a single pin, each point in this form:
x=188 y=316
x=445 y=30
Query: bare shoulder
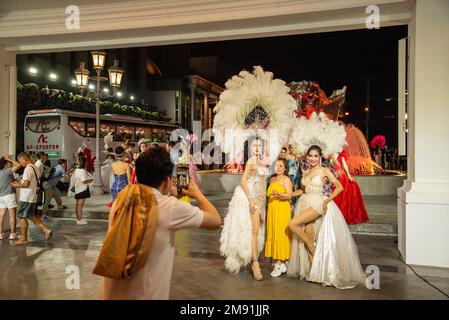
x=286 y=180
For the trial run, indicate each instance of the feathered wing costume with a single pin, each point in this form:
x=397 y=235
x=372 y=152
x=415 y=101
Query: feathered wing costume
x=318 y=130
x=253 y=104
x=336 y=261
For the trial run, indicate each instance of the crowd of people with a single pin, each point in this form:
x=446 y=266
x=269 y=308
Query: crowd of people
x=50 y=182
x=389 y=159
x=26 y=184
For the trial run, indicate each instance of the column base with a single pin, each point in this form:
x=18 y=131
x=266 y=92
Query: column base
x=423 y=223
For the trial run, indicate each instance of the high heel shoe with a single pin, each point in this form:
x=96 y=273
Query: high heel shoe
x=256 y=275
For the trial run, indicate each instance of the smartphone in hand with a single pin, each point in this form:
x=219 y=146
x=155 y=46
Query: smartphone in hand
x=182 y=177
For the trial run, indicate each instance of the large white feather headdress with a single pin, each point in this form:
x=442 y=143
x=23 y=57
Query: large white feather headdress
x=254 y=104
x=329 y=135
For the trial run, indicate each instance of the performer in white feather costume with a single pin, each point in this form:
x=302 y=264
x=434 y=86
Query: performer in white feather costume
x=253 y=104
x=323 y=249
x=243 y=235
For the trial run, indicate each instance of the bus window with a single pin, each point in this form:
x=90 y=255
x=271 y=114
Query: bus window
x=124 y=132
x=43 y=124
x=105 y=128
x=90 y=128
x=143 y=132
x=78 y=125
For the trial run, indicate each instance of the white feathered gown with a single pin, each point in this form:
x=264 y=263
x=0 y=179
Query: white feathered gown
x=235 y=240
x=336 y=260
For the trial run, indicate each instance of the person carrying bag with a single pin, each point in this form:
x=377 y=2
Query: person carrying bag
x=132 y=225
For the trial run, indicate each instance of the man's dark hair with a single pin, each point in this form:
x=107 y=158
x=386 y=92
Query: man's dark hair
x=153 y=166
x=119 y=151
x=3 y=163
x=82 y=163
x=61 y=161
x=40 y=155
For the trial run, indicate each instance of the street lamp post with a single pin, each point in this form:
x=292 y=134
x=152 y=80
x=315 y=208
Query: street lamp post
x=115 y=78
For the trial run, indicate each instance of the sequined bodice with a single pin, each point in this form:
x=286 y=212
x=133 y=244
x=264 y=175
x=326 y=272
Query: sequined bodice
x=315 y=185
x=257 y=185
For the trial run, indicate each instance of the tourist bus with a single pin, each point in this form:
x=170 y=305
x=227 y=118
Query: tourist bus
x=60 y=133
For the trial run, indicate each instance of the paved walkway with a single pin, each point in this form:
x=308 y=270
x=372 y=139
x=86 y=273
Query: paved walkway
x=38 y=271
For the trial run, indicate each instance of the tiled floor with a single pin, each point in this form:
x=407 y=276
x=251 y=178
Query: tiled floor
x=38 y=271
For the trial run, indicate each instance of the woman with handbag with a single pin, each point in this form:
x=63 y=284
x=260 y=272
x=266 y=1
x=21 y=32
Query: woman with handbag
x=80 y=187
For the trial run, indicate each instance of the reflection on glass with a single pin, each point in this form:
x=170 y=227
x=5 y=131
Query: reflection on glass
x=43 y=124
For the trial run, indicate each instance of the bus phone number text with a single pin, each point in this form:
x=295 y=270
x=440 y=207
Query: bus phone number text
x=43 y=147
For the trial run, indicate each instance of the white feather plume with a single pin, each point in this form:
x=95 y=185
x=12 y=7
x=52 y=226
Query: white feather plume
x=318 y=130
x=242 y=94
x=108 y=140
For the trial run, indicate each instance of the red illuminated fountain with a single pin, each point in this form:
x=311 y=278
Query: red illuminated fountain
x=311 y=98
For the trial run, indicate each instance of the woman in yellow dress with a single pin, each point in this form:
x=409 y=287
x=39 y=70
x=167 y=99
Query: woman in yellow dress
x=277 y=245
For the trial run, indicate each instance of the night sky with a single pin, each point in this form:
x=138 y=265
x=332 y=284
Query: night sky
x=332 y=59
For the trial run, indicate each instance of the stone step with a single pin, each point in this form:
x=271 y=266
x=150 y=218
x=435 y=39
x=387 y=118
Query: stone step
x=386 y=229
x=381 y=211
x=100 y=215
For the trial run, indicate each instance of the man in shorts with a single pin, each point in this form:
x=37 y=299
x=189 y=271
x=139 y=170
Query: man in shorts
x=27 y=199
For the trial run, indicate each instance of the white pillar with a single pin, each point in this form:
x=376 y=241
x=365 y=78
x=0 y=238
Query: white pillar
x=8 y=109
x=8 y=103
x=423 y=200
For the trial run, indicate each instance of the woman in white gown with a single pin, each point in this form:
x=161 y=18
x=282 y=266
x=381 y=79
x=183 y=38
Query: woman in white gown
x=106 y=173
x=321 y=234
x=243 y=234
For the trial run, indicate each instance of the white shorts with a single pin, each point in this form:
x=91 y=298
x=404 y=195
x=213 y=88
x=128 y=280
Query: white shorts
x=9 y=201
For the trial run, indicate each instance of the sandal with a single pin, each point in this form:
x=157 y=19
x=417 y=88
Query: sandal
x=256 y=275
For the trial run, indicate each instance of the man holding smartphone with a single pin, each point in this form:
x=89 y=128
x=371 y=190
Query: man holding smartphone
x=154 y=168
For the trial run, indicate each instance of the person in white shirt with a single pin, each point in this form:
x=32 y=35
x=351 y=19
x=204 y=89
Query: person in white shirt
x=152 y=282
x=27 y=199
x=79 y=184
